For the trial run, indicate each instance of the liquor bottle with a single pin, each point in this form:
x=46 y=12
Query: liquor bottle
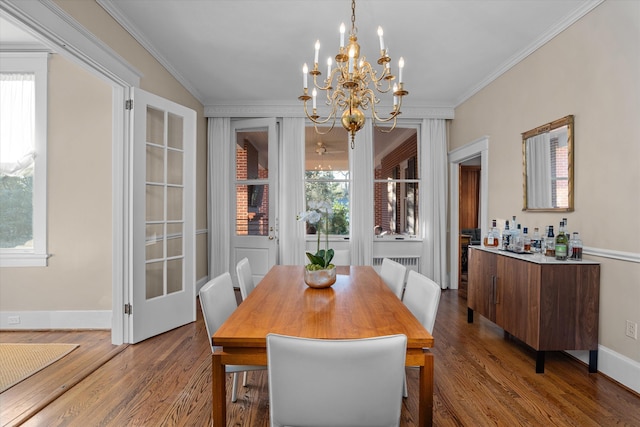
x=526 y=241
x=516 y=240
x=493 y=237
x=562 y=244
x=576 y=243
x=536 y=242
x=566 y=227
x=550 y=243
x=506 y=236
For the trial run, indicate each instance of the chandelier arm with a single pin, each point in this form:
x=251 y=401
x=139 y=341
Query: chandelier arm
x=319 y=132
x=315 y=118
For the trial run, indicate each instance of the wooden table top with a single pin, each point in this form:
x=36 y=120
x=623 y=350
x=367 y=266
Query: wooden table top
x=358 y=305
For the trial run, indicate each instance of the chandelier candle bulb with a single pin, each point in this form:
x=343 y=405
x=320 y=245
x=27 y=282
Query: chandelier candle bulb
x=305 y=71
x=400 y=68
x=342 y=29
x=315 y=60
x=314 y=94
x=395 y=97
x=329 y=62
x=380 y=33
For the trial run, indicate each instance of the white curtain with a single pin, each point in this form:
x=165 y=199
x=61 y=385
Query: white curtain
x=17 y=133
x=539 y=171
x=361 y=197
x=218 y=194
x=291 y=231
x=433 y=203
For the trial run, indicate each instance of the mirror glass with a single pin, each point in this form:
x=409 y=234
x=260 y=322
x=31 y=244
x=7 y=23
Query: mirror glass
x=548 y=166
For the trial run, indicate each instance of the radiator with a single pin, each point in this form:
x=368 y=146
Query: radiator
x=411 y=262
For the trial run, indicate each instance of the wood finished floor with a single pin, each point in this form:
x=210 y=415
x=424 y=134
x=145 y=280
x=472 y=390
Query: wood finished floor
x=481 y=379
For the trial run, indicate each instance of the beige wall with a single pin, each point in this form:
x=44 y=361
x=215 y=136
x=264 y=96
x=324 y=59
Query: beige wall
x=79 y=204
x=591 y=70
x=79 y=274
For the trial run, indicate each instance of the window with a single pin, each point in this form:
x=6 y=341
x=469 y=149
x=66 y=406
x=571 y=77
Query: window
x=396 y=185
x=327 y=175
x=23 y=168
x=559 y=169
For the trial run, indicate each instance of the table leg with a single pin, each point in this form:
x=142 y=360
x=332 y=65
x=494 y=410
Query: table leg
x=425 y=405
x=219 y=396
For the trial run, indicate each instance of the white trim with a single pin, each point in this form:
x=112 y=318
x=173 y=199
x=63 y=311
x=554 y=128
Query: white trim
x=48 y=22
x=613 y=254
x=38 y=63
x=116 y=14
x=63 y=319
x=479 y=147
x=55 y=28
x=614 y=365
x=296 y=110
x=554 y=30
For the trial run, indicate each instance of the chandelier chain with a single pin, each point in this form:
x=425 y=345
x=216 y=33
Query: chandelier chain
x=353 y=16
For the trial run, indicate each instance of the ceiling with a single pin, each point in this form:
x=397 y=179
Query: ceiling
x=249 y=53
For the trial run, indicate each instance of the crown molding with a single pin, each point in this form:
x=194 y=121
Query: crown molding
x=281 y=110
x=562 y=25
x=64 y=35
x=121 y=19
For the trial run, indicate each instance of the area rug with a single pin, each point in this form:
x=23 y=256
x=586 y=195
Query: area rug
x=20 y=361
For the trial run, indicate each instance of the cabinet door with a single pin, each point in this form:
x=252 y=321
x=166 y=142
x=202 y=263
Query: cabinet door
x=518 y=308
x=481 y=293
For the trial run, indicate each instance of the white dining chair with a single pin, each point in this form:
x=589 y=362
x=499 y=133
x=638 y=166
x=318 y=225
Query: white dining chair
x=393 y=274
x=341 y=257
x=245 y=277
x=421 y=297
x=344 y=382
x=218 y=301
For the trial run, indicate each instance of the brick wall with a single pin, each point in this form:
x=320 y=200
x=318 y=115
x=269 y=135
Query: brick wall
x=389 y=168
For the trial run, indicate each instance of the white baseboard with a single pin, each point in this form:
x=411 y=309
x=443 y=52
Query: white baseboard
x=614 y=365
x=33 y=320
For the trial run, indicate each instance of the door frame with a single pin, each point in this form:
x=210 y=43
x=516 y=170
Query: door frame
x=50 y=24
x=270 y=125
x=479 y=147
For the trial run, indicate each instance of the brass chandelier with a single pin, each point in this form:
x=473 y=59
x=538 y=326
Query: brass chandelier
x=347 y=86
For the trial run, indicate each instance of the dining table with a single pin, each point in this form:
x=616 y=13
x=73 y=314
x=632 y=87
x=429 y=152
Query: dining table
x=358 y=305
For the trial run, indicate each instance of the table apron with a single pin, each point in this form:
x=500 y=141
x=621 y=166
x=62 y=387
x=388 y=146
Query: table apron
x=258 y=356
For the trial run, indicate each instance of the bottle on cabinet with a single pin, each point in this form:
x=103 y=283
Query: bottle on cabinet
x=492 y=238
x=550 y=243
x=526 y=241
x=576 y=245
x=536 y=241
x=562 y=244
x=506 y=236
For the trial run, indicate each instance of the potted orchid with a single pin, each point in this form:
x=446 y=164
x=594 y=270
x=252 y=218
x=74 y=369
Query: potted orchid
x=319 y=273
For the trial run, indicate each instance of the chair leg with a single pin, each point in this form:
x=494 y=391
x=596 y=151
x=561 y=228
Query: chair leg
x=234 y=388
x=405 y=392
x=244 y=379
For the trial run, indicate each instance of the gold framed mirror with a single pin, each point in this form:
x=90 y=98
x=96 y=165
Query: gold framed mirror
x=547 y=159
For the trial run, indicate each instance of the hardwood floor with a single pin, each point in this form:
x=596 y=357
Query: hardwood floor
x=481 y=379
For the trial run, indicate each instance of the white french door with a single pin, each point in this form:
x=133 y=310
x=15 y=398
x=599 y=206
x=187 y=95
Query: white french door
x=254 y=213
x=163 y=216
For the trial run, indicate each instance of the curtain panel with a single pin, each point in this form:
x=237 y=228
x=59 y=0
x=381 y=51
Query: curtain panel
x=433 y=169
x=218 y=194
x=291 y=232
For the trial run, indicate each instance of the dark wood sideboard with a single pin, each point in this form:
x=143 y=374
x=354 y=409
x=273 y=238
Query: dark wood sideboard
x=547 y=304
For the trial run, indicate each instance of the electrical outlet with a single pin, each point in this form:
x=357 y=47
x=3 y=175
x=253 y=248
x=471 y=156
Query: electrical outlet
x=14 y=320
x=632 y=329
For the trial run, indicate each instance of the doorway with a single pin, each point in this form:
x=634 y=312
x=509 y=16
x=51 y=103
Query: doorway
x=254 y=213
x=475 y=149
